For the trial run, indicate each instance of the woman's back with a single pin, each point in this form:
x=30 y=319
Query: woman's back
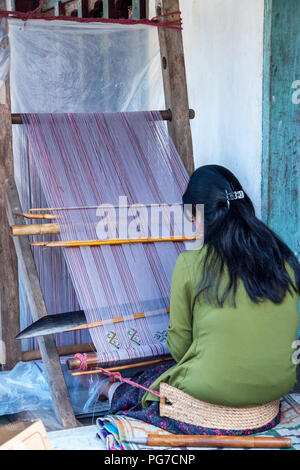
x=239 y=356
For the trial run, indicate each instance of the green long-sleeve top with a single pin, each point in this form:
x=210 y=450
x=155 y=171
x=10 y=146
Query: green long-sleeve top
x=228 y=356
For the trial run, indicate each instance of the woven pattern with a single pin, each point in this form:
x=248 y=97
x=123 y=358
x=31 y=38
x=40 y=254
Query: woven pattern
x=189 y=410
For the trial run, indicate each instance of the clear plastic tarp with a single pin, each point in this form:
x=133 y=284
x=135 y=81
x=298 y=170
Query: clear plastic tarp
x=60 y=67
x=25 y=388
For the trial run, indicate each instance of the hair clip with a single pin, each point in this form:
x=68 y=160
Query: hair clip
x=234 y=195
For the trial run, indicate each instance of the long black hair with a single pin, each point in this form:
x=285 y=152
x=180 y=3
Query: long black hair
x=237 y=240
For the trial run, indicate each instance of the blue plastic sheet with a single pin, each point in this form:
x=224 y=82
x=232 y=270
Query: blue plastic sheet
x=25 y=388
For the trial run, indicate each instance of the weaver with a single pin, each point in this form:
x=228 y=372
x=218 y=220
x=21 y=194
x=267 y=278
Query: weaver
x=229 y=302
x=233 y=322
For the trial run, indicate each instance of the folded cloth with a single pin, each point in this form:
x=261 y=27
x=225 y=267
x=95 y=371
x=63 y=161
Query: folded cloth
x=118 y=432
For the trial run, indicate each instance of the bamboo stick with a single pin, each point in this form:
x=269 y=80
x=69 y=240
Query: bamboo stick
x=37 y=216
x=112 y=241
x=34 y=229
x=117 y=368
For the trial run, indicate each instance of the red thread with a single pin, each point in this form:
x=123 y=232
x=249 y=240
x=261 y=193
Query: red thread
x=31 y=15
x=83 y=360
x=117 y=376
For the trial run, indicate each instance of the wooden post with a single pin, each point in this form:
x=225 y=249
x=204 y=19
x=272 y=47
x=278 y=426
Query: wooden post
x=10 y=351
x=58 y=388
x=175 y=88
x=9 y=293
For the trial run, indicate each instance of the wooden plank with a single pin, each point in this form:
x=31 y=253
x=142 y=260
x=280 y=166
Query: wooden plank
x=58 y=388
x=281 y=116
x=9 y=294
x=175 y=87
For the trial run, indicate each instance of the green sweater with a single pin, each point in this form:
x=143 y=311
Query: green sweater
x=228 y=356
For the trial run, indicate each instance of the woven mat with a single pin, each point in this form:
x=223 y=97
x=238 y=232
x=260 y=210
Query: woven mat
x=116 y=431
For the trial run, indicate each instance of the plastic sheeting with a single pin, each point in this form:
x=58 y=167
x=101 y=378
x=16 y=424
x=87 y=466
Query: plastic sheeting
x=59 y=67
x=25 y=388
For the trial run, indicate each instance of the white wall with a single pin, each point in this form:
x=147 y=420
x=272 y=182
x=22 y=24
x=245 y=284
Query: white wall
x=223 y=42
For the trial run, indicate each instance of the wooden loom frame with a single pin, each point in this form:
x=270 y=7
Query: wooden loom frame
x=16 y=254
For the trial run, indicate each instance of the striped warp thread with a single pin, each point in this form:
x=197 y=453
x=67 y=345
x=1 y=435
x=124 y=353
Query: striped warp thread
x=83 y=160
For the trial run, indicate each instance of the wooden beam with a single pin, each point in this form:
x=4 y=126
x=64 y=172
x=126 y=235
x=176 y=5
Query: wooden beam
x=9 y=289
x=175 y=87
x=58 y=388
x=166 y=115
x=35 y=354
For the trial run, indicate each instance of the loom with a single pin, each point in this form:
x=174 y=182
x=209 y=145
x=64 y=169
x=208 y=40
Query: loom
x=149 y=174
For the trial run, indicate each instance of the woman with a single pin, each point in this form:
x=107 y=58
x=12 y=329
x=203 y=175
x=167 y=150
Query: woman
x=233 y=310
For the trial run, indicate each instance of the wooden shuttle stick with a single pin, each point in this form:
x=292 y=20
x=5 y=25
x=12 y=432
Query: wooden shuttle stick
x=43 y=229
x=112 y=241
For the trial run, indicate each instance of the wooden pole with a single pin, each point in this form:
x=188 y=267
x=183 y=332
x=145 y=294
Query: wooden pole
x=166 y=114
x=175 y=86
x=9 y=290
x=35 y=354
x=58 y=388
